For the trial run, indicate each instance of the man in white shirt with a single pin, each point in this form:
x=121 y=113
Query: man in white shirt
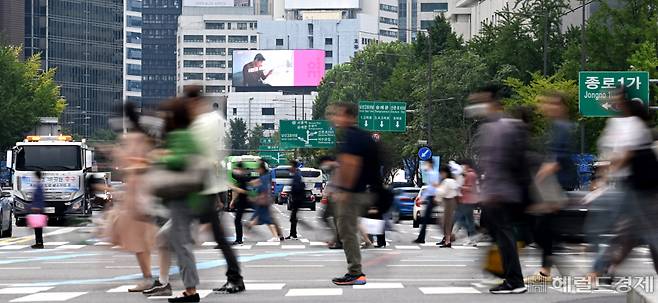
x=208 y=130
x=428 y=195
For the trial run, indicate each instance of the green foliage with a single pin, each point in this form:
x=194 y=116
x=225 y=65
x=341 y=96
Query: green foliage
x=27 y=93
x=236 y=137
x=253 y=140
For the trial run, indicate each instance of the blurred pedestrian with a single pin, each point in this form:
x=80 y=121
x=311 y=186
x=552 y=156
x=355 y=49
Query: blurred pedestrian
x=558 y=166
x=180 y=146
x=428 y=195
x=447 y=194
x=296 y=198
x=239 y=202
x=467 y=203
x=501 y=145
x=328 y=165
x=38 y=203
x=358 y=169
x=262 y=200
x=131 y=232
x=208 y=131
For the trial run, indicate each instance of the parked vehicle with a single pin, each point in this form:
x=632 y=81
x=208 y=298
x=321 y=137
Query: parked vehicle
x=403 y=202
x=6 y=213
x=419 y=209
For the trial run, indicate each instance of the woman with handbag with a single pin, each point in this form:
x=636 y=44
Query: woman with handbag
x=37 y=220
x=262 y=202
x=447 y=193
x=129 y=230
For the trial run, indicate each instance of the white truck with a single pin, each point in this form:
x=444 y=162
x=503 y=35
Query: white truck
x=64 y=164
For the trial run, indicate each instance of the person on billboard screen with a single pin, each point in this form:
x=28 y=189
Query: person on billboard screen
x=252 y=72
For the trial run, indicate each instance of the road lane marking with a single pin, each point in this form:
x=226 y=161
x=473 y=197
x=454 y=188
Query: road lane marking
x=209 y=244
x=379 y=286
x=464 y=247
x=122 y=267
x=49 y=297
x=70 y=246
x=264 y=286
x=281 y=266
x=103 y=244
x=448 y=290
x=22 y=290
x=426 y=265
x=13 y=247
x=45 y=258
x=268 y=243
x=55 y=243
x=19 y=268
x=241 y=247
x=318 y=243
x=436 y=260
x=122 y=288
x=407 y=247
x=293 y=246
x=307 y=292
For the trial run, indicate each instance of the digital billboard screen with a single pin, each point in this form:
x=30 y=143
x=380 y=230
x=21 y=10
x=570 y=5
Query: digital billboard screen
x=263 y=70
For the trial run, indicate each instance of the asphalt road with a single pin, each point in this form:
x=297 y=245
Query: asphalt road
x=78 y=267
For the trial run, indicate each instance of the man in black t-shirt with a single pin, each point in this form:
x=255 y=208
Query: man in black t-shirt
x=357 y=171
x=239 y=202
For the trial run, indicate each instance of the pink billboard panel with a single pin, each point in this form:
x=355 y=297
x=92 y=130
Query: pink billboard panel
x=309 y=67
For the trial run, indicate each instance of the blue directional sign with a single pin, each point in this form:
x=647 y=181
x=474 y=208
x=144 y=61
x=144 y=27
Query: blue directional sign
x=424 y=153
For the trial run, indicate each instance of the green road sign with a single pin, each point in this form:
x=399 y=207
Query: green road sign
x=595 y=88
x=306 y=134
x=383 y=116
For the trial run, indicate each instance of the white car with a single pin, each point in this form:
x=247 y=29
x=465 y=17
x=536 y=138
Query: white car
x=419 y=209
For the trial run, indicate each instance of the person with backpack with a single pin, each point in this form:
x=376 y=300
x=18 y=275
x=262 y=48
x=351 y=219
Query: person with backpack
x=358 y=171
x=297 y=196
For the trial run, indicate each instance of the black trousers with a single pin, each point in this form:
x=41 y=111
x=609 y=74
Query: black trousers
x=293 y=219
x=38 y=235
x=427 y=218
x=210 y=215
x=238 y=223
x=543 y=234
x=500 y=221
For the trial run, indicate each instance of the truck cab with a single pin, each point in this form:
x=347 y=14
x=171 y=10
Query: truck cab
x=64 y=164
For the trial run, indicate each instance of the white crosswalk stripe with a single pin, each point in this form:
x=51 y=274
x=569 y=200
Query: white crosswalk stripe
x=49 y=297
x=22 y=290
x=448 y=290
x=309 y=292
x=122 y=288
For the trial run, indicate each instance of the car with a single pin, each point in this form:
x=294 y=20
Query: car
x=6 y=213
x=314 y=181
x=403 y=202
x=419 y=209
x=309 y=201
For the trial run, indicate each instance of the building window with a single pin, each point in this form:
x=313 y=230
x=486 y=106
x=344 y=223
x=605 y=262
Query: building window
x=134 y=86
x=242 y=25
x=215 y=63
x=328 y=66
x=235 y=111
x=279 y=42
x=433 y=7
x=193 y=63
x=238 y=39
x=425 y=24
x=134 y=21
x=267 y=111
x=134 y=53
x=216 y=51
x=134 y=37
x=134 y=5
x=215 y=39
x=328 y=54
x=388 y=33
x=215 y=76
x=268 y=126
x=388 y=8
x=230 y=64
x=192 y=76
x=253 y=39
x=230 y=50
x=390 y=21
x=328 y=41
x=193 y=51
x=215 y=25
x=134 y=70
x=193 y=38
x=214 y=89
x=228 y=25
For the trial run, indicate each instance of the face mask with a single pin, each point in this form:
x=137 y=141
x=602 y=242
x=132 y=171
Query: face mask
x=476 y=110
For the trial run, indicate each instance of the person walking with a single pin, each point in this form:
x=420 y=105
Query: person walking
x=467 y=203
x=501 y=145
x=358 y=169
x=131 y=232
x=239 y=202
x=263 y=201
x=328 y=165
x=447 y=194
x=207 y=129
x=38 y=203
x=427 y=196
x=297 y=195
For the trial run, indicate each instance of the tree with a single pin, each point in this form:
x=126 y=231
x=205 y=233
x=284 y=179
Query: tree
x=255 y=135
x=237 y=137
x=27 y=93
x=442 y=37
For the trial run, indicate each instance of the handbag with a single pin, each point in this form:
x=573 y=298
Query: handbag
x=171 y=185
x=36 y=220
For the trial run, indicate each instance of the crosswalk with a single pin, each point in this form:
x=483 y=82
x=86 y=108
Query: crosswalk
x=51 y=294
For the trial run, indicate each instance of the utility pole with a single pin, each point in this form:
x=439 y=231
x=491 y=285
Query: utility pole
x=295 y=108
x=429 y=89
x=546 y=20
x=583 y=60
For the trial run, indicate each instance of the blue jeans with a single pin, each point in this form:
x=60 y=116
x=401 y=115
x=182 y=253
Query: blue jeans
x=464 y=217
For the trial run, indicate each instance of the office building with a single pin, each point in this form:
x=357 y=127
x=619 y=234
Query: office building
x=415 y=16
x=132 y=51
x=266 y=109
x=12 y=25
x=83 y=40
x=159 y=25
x=207 y=37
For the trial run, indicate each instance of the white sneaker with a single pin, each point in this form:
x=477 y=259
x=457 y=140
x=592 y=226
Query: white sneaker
x=273 y=240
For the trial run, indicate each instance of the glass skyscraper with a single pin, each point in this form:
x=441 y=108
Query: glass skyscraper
x=83 y=40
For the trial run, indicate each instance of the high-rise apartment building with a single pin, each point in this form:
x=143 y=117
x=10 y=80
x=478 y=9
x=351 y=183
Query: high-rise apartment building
x=83 y=40
x=12 y=25
x=132 y=51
